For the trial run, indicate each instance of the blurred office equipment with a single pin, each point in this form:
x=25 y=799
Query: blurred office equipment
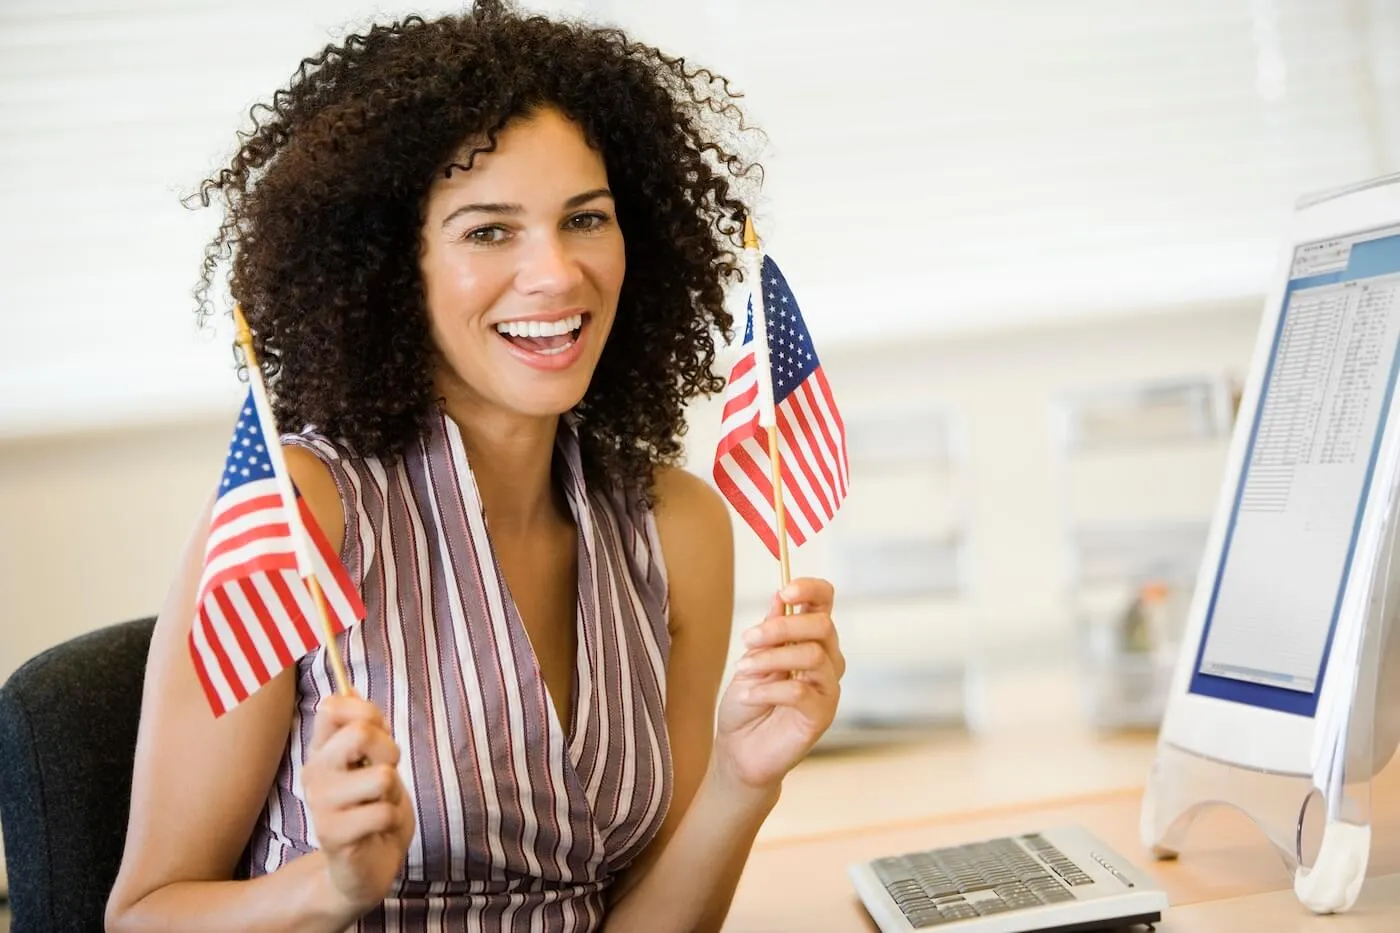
x=1283 y=702
x=1139 y=465
x=901 y=552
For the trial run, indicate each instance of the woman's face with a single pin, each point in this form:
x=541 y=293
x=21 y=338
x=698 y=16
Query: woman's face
x=522 y=264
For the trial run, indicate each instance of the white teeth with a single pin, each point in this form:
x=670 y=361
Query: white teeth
x=540 y=328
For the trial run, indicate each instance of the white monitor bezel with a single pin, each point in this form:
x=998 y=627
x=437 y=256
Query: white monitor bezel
x=1237 y=733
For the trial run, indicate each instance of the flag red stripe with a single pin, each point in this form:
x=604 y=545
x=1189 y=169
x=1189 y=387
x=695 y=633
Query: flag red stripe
x=810 y=434
x=232 y=513
x=803 y=462
x=268 y=624
x=830 y=399
x=839 y=450
x=740 y=434
x=206 y=682
x=821 y=400
x=795 y=496
x=339 y=585
x=289 y=601
x=758 y=467
x=743 y=366
x=738 y=403
x=216 y=645
x=798 y=454
x=240 y=635
x=270 y=530
x=263 y=563
x=746 y=510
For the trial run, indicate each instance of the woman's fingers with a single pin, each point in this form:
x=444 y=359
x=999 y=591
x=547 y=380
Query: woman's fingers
x=778 y=630
x=805 y=656
x=804 y=696
x=370 y=784
x=358 y=745
x=813 y=594
x=806 y=627
x=336 y=712
x=352 y=825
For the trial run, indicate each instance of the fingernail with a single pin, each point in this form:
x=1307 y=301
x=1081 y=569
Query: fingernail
x=788 y=593
x=751 y=636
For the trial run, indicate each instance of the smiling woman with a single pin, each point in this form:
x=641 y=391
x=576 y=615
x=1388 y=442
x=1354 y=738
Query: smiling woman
x=484 y=261
x=523 y=259
x=370 y=155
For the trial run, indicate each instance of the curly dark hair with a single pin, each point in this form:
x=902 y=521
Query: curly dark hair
x=324 y=205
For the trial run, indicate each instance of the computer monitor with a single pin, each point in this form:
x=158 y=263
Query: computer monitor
x=1303 y=505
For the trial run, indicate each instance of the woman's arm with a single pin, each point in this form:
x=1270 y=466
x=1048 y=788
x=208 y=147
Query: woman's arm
x=200 y=783
x=686 y=879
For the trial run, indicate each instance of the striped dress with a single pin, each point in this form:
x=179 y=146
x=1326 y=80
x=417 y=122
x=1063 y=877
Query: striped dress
x=523 y=821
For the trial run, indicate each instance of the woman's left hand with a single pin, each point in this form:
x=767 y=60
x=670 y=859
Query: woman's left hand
x=785 y=689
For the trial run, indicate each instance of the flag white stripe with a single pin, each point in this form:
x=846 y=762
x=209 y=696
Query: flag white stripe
x=797 y=498
x=281 y=616
x=337 y=600
x=223 y=634
x=252 y=625
x=213 y=670
x=825 y=405
x=234 y=559
x=739 y=416
x=736 y=473
x=280 y=475
x=236 y=496
x=792 y=516
x=222 y=532
x=799 y=490
x=805 y=466
x=804 y=400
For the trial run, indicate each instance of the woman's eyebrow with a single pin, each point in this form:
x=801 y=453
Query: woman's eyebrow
x=505 y=208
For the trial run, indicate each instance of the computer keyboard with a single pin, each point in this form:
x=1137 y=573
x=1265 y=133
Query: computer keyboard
x=977 y=879
x=1061 y=879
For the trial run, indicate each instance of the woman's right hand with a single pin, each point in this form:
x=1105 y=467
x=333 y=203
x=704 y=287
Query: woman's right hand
x=362 y=814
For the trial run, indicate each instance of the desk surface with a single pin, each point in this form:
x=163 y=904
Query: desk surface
x=1228 y=874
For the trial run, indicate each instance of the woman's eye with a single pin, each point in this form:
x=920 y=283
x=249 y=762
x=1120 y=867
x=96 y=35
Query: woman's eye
x=589 y=221
x=486 y=235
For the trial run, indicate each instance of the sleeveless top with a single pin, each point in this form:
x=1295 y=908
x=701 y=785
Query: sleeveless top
x=522 y=821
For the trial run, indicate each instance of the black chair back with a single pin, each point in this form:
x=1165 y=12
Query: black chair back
x=68 y=721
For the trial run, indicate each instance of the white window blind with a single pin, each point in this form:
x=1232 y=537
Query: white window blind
x=947 y=165
x=112 y=111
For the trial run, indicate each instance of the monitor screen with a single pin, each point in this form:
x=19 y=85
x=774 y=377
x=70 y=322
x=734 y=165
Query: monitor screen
x=1307 y=471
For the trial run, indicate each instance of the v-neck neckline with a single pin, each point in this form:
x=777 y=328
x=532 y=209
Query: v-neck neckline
x=577 y=499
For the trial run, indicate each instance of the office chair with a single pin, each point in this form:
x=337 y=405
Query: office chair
x=68 y=721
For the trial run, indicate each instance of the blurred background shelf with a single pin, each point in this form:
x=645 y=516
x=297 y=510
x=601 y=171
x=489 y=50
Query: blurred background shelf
x=1139 y=464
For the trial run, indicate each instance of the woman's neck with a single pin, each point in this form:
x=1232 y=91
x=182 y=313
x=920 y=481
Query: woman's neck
x=512 y=459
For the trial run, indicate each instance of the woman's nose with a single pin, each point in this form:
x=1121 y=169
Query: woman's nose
x=548 y=268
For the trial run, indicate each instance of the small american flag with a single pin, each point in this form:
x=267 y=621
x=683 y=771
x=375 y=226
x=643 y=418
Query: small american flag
x=811 y=435
x=256 y=615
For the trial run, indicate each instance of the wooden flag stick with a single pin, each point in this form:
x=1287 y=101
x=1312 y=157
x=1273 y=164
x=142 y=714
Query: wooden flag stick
x=289 y=503
x=778 y=508
x=768 y=414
